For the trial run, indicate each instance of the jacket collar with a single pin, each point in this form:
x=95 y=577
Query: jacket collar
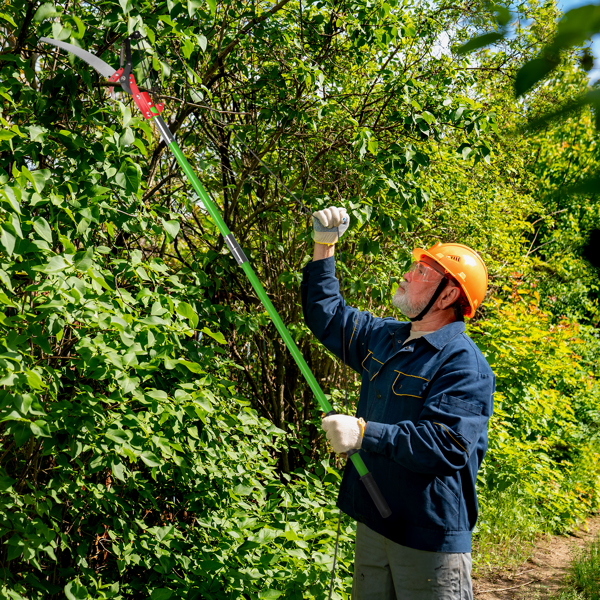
x=438 y=339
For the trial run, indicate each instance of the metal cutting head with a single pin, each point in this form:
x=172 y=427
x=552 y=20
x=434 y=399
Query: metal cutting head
x=91 y=59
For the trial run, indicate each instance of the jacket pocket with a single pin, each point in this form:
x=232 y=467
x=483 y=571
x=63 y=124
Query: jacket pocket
x=372 y=365
x=462 y=417
x=406 y=398
x=444 y=508
x=428 y=502
x=412 y=386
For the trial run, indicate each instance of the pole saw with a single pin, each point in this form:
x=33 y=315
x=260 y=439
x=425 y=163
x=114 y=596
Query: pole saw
x=151 y=111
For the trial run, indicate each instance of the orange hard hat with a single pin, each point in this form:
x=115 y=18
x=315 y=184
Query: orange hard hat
x=465 y=265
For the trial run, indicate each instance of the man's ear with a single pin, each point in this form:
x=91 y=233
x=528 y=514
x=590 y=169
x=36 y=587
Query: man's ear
x=448 y=297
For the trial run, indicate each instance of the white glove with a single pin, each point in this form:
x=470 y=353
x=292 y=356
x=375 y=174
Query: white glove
x=343 y=432
x=330 y=224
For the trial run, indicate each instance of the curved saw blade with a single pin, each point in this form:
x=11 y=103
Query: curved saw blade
x=91 y=59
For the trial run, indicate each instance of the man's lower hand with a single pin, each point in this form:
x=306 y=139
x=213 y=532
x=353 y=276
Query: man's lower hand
x=343 y=432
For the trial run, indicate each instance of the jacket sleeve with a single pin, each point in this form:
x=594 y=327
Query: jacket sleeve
x=324 y=310
x=453 y=419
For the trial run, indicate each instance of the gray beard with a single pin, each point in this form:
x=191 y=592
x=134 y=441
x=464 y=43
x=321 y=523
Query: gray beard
x=406 y=306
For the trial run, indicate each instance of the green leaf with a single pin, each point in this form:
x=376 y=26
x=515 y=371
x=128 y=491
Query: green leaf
x=8 y=238
x=41 y=227
x=34 y=380
x=479 y=42
x=502 y=15
x=577 y=26
x=10 y=196
x=187 y=48
x=142 y=273
x=164 y=533
x=216 y=335
x=588 y=98
x=84 y=259
x=40 y=428
x=193 y=6
x=59 y=32
x=16 y=225
x=151 y=459
x=120 y=436
x=118 y=470
x=36 y=133
x=532 y=72
x=161 y=594
x=55 y=265
x=23 y=403
x=127 y=138
x=8 y=19
x=191 y=366
x=212 y=5
x=22 y=433
x=6 y=483
x=243 y=490
x=75 y=591
x=6 y=279
x=269 y=594
x=267 y=535
x=588 y=186
x=126 y=6
x=128 y=177
x=185 y=310
x=6 y=135
x=45 y=11
x=37 y=178
x=171 y=228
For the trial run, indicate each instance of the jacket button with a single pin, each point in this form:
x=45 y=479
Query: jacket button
x=378 y=395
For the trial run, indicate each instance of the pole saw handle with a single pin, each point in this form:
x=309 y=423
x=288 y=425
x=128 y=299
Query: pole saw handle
x=368 y=480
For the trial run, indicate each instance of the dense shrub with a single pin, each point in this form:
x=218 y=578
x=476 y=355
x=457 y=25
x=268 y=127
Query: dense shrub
x=542 y=470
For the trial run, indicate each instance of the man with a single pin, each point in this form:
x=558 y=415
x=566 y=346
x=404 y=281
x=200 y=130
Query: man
x=426 y=397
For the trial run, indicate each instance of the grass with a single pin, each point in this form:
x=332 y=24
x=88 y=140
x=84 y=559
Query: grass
x=583 y=580
x=584 y=573
x=506 y=532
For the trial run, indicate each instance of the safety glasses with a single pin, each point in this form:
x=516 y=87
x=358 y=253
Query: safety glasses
x=424 y=273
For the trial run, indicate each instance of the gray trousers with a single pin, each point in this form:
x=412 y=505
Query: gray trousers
x=384 y=570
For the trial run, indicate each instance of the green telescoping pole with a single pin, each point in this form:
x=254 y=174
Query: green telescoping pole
x=243 y=262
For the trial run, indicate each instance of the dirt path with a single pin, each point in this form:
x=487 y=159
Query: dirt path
x=541 y=576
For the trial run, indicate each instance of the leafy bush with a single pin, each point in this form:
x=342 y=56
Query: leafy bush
x=542 y=470
x=130 y=464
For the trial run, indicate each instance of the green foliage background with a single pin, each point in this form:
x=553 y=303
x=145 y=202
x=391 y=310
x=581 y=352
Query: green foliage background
x=157 y=439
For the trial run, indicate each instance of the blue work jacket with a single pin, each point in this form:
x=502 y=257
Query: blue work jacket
x=427 y=405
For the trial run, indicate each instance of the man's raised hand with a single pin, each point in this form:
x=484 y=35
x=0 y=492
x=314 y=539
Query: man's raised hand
x=330 y=224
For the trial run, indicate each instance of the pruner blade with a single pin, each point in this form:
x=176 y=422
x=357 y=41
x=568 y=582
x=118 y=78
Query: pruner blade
x=91 y=59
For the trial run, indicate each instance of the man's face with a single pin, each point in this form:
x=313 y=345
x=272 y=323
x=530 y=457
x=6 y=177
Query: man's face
x=420 y=283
